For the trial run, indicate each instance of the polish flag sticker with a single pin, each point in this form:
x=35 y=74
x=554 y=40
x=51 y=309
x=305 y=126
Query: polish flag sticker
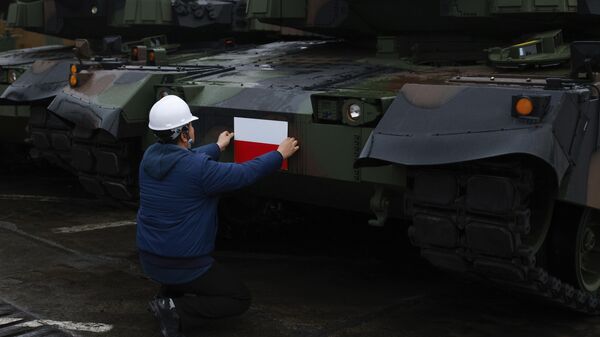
x=255 y=137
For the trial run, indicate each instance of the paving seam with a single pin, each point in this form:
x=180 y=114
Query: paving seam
x=123 y=264
x=11 y=227
x=363 y=319
x=44 y=198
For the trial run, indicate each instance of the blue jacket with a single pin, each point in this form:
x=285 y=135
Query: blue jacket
x=179 y=194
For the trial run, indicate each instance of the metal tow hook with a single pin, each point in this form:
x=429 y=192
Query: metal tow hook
x=380 y=204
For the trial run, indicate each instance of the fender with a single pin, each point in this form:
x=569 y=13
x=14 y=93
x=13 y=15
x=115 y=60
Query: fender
x=43 y=81
x=112 y=100
x=436 y=125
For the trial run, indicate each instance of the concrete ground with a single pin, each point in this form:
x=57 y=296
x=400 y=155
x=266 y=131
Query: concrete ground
x=66 y=257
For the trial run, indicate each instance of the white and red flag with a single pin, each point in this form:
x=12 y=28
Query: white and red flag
x=255 y=137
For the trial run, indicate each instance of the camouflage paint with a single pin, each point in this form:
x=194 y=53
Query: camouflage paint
x=491 y=211
x=438 y=129
x=18 y=49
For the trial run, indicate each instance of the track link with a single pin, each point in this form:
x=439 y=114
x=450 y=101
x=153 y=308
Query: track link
x=107 y=166
x=51 y=137
x=477 y=219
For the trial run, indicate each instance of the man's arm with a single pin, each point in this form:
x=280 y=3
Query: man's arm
x=211 y=150
x=224 y=177
x=214 y=150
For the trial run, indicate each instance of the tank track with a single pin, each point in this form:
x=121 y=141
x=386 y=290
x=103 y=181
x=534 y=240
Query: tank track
x=476 y=218
x=51 y=137
x=106 y=166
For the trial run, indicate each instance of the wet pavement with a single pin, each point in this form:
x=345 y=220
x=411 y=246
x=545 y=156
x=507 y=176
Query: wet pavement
x=69 y=260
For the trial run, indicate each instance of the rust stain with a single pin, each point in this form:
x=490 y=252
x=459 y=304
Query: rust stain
x=98 y=83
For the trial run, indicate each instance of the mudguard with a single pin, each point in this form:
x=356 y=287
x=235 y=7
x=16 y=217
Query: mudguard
x=112 y=100
x=30 y=55
x=85 y=115
x=436 y=125
x=43 y=81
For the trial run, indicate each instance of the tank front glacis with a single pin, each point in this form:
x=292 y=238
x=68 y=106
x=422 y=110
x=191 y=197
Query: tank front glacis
x=494 y=162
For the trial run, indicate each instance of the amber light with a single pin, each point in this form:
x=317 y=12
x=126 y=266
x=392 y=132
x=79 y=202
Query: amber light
x=135 y=53
x=151 y=56
x=74 y=69
x=524 y=106
x=73 y=80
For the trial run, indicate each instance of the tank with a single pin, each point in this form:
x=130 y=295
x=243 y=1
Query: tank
x=475 y=120
x=17 y=38
x=18 y=49
x=108 y=32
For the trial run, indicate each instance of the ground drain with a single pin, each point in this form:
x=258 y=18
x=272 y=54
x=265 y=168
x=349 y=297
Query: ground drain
x=16 y=323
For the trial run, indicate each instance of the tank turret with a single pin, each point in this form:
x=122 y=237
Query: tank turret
x=129 y=18
x=343 y=17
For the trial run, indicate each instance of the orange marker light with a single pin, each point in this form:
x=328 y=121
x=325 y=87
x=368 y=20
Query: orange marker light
x=74 y=69
x=73 y=80
x=135 y=52
x=151 y=56
x=524 y=106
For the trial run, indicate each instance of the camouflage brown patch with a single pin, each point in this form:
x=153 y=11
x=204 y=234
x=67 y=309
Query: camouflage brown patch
x=429 y=96
x=39 y=67
x=98 y=83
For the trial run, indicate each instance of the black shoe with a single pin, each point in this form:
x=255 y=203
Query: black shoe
x=164 y=310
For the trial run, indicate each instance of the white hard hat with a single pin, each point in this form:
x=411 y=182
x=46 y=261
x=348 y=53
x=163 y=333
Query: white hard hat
x=170 y=112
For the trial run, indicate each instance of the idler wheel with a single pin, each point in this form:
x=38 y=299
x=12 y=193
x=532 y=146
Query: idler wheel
x=573 y=249
x=587 y=255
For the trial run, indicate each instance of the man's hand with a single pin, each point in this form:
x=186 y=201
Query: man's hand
x=224 y=139
x=288 y=147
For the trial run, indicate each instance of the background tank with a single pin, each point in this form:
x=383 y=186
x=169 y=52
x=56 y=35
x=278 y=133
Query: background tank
x=181 y=20
x=496 y=168
x=13 y=62
x=17 y=38
x=204 y=24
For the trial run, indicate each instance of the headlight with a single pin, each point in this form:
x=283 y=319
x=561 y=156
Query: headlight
x=354 y=112
x=12 y=76
x=94 y=10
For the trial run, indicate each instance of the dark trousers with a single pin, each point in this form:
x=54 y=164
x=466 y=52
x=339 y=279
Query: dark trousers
x=216 y=294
